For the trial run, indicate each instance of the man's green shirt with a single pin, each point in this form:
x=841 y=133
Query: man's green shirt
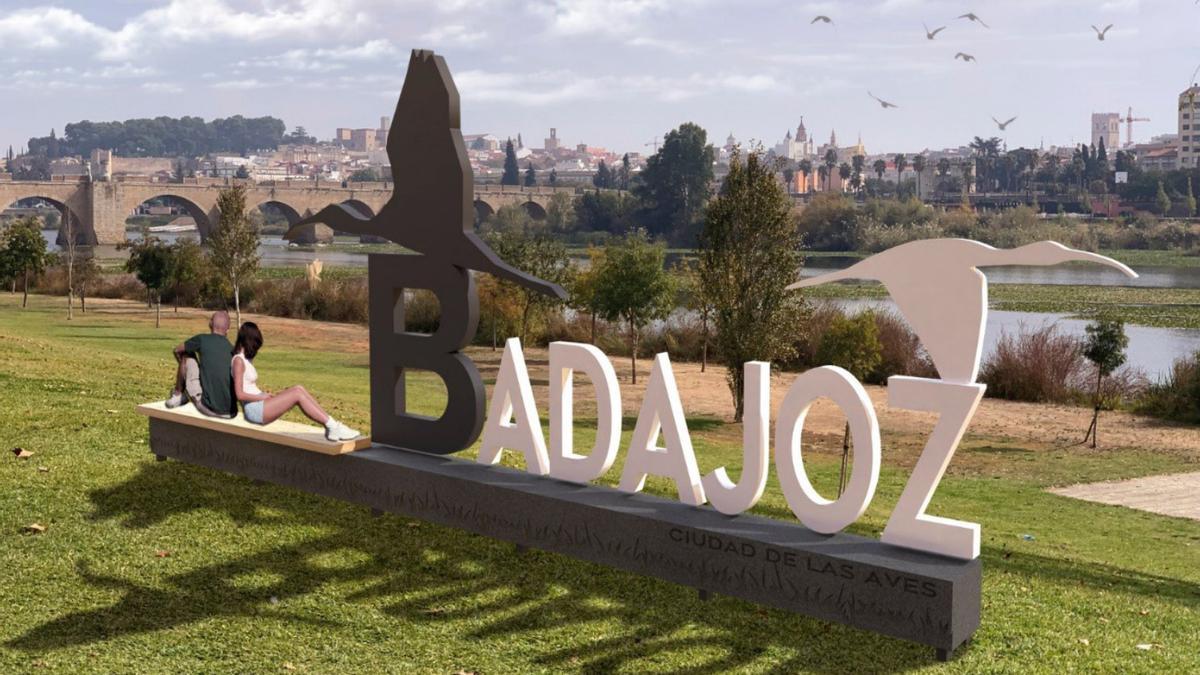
x=214 y=354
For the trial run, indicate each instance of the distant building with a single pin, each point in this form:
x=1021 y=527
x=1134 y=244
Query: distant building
x=1162 y=153
x=1189 y=138
x=363 y=140
x=1106 y=127
x=795 y=147
x=551 y=144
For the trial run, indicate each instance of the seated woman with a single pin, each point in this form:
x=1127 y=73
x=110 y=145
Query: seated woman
x=260 y=407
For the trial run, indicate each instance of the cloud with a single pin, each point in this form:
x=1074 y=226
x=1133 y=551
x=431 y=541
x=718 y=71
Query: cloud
x=178 y=22
x=454 y=34
x=322 y=60
x=559 y=86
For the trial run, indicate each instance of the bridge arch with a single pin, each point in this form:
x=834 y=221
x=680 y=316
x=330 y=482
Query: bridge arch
x=84 y=235
x=535 y=210
x=362 y=208
x=197 y=213
x=289 y=213
x=483 y=211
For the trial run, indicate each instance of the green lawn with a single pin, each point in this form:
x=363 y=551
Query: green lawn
x=164 y=567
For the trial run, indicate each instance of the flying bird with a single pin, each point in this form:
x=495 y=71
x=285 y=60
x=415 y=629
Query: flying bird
x=1100 y=33
x=966 y=58
x=882 y=102
x=1004 y=125
x=939 y=290
x=931 y=34
x=822 y=18
x=430 y=210
x=970 y=16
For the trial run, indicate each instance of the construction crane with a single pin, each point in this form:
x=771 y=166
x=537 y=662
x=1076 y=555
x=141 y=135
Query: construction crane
x=654 y=143
x=1129 y=120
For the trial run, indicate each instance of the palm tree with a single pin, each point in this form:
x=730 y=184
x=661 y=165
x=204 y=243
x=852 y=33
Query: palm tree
x=823 y=176
x=919 y=163
x=857 y=163
x=805 y=165
x=901 y=164
x=844 y=172
x=831 y=160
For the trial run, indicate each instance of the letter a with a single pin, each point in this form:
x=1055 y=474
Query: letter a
x=512 y=420
x=565 y=463
x=662 y=412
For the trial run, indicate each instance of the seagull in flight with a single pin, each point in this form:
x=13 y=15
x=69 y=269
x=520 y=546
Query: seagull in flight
x=971 y=16
x=1004 y=125
x=882 y=102
x=822 y=18
x=931 y=34
x=1100 y=33
x=965 y=57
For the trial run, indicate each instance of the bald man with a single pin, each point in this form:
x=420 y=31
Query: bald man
x=204 y=371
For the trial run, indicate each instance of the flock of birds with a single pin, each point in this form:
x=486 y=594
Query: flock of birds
x=962 y=56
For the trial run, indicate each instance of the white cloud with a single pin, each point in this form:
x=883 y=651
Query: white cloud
x=558 y=86
x=453 y=34
x=324 y=59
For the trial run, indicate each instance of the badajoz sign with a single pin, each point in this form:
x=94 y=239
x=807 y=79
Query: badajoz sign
x=920 y=582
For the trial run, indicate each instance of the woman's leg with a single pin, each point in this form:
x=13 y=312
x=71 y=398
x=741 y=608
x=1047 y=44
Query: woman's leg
x=277 y=405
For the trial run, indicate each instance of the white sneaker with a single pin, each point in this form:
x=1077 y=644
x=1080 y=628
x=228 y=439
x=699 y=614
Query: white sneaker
x=338 y=432
x=177 y=399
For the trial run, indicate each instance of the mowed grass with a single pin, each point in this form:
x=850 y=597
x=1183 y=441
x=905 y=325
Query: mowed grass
x=165 y=567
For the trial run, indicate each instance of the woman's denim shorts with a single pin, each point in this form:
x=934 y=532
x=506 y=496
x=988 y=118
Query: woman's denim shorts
x=253 y=412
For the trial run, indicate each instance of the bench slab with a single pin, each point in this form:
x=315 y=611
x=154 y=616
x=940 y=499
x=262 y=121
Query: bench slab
x=845 y=578
x=280 y=432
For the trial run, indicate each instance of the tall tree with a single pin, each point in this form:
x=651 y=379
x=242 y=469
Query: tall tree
x=1105 y=347
x=634 y=287
x=552 y=181
x=852 y=344
x=676 y=183
x=512 y=172
x=880 y=167
x=233 y=245
x=901 y=164
x=150 y=261
x=530 y=175
x=857 y=163
x=844 y=172
x=625 y=173
x=919 y=163
x=805 y=166
x=585 y=284
x=749 y=254
x=538 y=255
x=830 y=163
x=603 y=177
x=24 y=253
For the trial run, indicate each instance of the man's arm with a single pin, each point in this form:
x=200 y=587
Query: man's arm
x=190 y=347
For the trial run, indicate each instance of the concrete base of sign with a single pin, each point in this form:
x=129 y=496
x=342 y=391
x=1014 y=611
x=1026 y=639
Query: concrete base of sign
x=852 y=580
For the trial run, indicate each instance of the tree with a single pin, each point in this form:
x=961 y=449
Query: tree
x=538 y=255
x=367 y=175
x=242 y=173
x=603 y=212
x=299 y=136
x=1105 y=347
x=830 y=163
x=603 y=177
x=625 y=173
x=70 y=236
x=584 y=284
x=634 y=287
x=901 y=164
x=830 y=223
x=880 y=167
x=552 y=181
x=233 y=245
x=857 y=163
x=150 y=261
x=86 y=273
x=1190 y=199
x=749 y=254
x=530 y=175
x=560 y=213
x=187 y=271
x=1162 y=203
x=919 y=163
x=24 y=253
x=844 y=172
x=512 y=173
x=805 y=166
x=676 y=183
x=853 y=344
x=695 y=299
x=180 y=170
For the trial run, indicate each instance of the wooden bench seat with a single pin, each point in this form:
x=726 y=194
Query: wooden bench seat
x=281 y=432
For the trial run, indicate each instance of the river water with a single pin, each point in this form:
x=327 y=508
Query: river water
x=1150 y=349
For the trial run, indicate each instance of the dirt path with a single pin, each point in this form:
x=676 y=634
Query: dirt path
x=1036 y=426
x=1176 y=495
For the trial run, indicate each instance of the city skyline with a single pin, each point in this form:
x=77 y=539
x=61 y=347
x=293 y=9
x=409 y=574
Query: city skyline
x=615 y=75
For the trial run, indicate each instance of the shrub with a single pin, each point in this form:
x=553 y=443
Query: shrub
x=1041 y=365
x=1178 y=397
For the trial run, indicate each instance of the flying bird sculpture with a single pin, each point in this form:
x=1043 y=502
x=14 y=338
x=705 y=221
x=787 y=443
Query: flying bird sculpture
x=1101 y=33
x=931 y=34
x=822 y=18
x=939 y=290
x=431 y=210
x=883 y=103
x=971 y=16
x=1004 y=125
x=964 y=57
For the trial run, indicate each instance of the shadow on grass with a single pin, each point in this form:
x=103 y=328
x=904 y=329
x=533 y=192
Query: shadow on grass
x=481 y=589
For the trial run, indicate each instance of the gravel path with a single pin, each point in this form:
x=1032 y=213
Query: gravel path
x=1176 y=495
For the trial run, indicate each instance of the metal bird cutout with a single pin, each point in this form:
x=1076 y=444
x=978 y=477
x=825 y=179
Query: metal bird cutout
x=431 y=210
x=938 y=288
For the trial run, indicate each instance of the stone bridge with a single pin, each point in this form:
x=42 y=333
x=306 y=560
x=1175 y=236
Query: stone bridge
x=98 y=209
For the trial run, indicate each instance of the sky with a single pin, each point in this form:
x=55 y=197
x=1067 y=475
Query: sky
x=610 y=73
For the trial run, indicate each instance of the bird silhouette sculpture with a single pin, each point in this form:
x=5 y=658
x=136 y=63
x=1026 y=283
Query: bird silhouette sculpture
x=1004 y=125
x=938 y=288
x=1101 y=33
x=431 y=210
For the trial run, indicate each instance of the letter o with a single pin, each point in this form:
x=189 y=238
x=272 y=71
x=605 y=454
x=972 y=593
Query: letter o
x=816 y=512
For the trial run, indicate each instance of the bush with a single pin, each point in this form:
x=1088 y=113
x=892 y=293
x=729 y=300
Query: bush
x=1042 y=366
x=1178 y=397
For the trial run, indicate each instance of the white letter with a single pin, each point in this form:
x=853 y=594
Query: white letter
x=565 y=359
x=512 y=394
x=732 y=499
x=909 y=526
x=816 y=512
x=661 y=411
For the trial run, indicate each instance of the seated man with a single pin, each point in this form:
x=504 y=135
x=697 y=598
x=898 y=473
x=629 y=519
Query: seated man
x=204 y=371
